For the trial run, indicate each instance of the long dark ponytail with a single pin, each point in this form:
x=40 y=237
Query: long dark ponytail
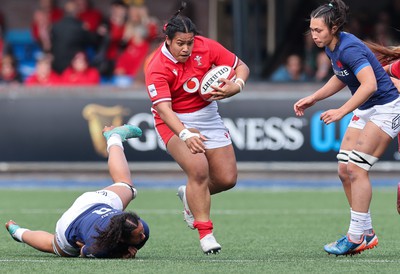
x=179 y=23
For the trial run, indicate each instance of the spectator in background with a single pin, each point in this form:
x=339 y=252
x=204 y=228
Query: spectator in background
x=140 y=31
x=383 y=33
x=80 y=73
x=8 y=71
x=41 y=30
x=393 y=9
x=292 y=71
x=3 y=25
x=43 y=75
x=310 y=56
x=110 y=34
x=323 y=72
x=5 y=48
x=44 y=17
x=68 y=37
x=88 y=14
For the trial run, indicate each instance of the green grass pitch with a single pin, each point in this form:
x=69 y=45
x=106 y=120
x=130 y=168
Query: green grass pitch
x=260 y=230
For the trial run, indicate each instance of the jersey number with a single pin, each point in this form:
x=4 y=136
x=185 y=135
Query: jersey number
x=102 y=211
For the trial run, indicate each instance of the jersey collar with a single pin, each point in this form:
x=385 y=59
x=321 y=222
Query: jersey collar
x=168 y=54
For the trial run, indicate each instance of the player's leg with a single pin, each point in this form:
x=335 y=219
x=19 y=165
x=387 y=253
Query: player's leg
x=223 y=169
x=348 y=143
x=117 y=163
x=196 y=168
x=40 y=240
x=196 y=193
x=371 y=145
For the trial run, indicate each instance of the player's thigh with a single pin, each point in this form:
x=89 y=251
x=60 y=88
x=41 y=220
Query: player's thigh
x=194 y=165
x=372 y=140
x=123 y=192
x=350 y=138
x=222 y=162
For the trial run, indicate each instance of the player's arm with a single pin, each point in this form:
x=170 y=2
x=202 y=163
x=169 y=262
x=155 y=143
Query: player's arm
x=242 y=71
x=333 y=86
x=394 y=72
x=368 y=85
x=232 y=88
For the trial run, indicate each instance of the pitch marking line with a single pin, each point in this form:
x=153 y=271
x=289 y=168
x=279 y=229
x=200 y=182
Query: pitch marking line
x=383 y=261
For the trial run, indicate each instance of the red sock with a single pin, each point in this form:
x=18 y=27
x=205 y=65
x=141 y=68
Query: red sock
x=204 y=228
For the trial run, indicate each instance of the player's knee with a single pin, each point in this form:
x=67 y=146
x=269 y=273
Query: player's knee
x=343 y=159
x=343 y=156
x=228 y=181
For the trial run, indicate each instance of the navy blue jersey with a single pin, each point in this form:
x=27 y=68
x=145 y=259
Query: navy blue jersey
x=349 y=57
x=84 y=228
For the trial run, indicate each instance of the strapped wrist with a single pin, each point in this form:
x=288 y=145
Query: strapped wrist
x=186 y=134
x=241 y=83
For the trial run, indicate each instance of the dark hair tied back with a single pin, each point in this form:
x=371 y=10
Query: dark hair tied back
x=183 y=6
x=334 y=14
x=179 y=23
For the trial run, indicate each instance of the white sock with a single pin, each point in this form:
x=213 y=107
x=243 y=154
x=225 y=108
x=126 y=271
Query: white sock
x=357 y=224
x=114 y=140
x=368 y=224
x=18 y=233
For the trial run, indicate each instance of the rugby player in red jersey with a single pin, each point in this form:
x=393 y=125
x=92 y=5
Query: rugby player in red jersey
x=190 y=127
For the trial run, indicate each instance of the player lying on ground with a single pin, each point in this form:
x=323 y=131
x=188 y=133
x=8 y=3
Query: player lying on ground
x=96 y=225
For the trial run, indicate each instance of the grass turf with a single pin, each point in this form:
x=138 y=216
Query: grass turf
x=260 y=230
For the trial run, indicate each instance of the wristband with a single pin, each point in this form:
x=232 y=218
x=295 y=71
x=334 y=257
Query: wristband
x=241 y=86
x=186 y=134
x=241 y=81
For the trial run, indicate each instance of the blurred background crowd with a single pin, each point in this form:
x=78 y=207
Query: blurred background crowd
x=77 y=44
x=74 y=43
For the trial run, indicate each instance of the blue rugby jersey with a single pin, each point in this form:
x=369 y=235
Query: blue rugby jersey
x=349 y=57
x=83 y=228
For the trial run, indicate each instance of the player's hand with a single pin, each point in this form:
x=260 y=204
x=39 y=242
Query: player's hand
x=229 y=89
x=196 y=144
x=131 y=253
x=107 y=128
x=304 y=103
x=331 y=116
x=80 y=245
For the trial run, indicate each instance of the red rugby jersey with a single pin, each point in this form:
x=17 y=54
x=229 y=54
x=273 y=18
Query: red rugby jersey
x=169 y=80
x=394 y=69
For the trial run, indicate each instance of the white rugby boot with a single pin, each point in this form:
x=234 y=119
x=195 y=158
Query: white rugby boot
x=187 y=214
x=209 y=245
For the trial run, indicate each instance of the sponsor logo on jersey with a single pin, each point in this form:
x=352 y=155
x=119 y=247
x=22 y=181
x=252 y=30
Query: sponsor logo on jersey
x=152 y=90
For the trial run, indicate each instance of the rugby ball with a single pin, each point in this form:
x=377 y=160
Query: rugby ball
x=211 y=78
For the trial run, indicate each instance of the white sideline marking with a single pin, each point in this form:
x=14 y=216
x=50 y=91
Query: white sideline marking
x=383 y=261
x=298 y=211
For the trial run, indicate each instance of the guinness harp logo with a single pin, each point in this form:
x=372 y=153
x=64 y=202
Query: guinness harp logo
x=98 y=117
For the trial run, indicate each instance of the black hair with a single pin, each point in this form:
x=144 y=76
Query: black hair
x=334 y=13
x=179 y=23
x=115 y=237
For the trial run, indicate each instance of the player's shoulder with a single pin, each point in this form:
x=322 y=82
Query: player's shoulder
x=348 y=40
x=157 y=62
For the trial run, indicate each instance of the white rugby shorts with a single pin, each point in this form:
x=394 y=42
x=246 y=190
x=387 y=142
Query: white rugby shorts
x=386 y=117
x=208 y=121
x=82 y=203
